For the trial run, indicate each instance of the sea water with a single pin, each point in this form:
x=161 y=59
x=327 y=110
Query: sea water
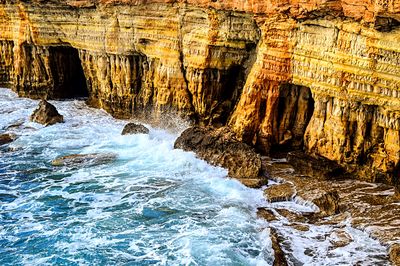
x=153 y=205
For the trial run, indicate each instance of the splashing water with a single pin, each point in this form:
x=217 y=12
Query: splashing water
x=153 y=205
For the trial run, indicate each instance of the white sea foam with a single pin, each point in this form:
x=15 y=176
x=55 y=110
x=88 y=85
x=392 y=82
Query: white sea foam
x=153 y=205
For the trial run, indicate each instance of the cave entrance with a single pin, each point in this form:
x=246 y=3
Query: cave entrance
x=295 y=108
x=67 y=73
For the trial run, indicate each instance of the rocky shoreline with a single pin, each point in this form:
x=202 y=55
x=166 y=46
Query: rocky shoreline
x=337 y=199
x=371 y=207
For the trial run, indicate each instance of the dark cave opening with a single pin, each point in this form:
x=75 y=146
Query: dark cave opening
x=386 y=24
x=295 y=109
x=68 y=76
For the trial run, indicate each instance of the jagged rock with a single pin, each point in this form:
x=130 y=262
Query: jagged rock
x=46 y=114
x=132 y=128
x=219 y=147
x=77 y=160
x=267 y=214
x=280 y=259
x=315 y=167
x=280 y=192
x=340 y=238
x=7 y=138
x=328 y=203
x=394 y=254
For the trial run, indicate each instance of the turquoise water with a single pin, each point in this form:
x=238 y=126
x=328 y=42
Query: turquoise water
x=152 y=206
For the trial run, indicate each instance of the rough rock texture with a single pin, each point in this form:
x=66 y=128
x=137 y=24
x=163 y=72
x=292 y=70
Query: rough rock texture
x=46 y=114
x=280 y=192
x=220 y=148
x=6 y=138
x=373 y=208
x=132 y=128
x=319 y=75
x=79 y=160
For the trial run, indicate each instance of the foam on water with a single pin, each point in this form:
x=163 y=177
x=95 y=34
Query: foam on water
x=152 y=206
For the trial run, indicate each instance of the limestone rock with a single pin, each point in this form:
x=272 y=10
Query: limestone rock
x=132 y=128
x=322 y=76
x=46 y=114
x=219 y=147
x=266 y=214
x=280 y=192
x=328 y=203
x=280 y=259
x=6 y=138
x=394 y=254
x=79 y=160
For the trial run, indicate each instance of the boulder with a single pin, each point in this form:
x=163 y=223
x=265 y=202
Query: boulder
x=75 y=160
x=46 y=114
x=132 y=128
x=219 y=147
x=6 y=138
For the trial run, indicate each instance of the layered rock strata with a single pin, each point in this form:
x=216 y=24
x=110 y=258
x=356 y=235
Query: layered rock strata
x=319 y=75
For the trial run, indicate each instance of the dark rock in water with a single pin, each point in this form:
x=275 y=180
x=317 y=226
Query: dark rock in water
x=84 y=159
x=46 y=114
x=280 y=258
x=219 y=147
x=133 y=128
x=7 y=138
x=266 y=214
x=316 y=167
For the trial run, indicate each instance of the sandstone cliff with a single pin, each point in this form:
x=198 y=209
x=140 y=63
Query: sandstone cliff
x=322 y=74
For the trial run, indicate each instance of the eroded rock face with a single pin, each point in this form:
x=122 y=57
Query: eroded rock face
x=219 y=147
x=132 y=128
x=318 y=75
x=46 y=114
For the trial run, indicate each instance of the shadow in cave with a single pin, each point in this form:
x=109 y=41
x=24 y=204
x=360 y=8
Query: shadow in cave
x=69 y=78
x=295 y=109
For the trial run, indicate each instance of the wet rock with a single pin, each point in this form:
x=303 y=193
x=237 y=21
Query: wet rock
x=328 y=203
x=340 y=238
x=132 y=128
x=7 y=138
x=394 y=254
x=300 y=227
x=292 y=216
x=316 y=167
x=219 y=147
x=280 y=259
x=93 y=159
x=280 y=192
x=266 y=214
x=46 y=114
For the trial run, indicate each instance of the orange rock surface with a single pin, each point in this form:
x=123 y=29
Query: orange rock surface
x=321 y=75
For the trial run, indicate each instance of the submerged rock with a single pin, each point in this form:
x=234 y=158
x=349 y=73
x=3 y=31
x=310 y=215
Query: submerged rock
x=132 y=128
x=219 y=147
x=84 y=159
x=7 y=138
x=46 y=114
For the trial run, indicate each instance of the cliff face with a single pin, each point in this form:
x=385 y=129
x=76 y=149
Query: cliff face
x=323 y=74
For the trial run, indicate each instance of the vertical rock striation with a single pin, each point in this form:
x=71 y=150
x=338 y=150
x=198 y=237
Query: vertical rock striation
x=318 y=75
